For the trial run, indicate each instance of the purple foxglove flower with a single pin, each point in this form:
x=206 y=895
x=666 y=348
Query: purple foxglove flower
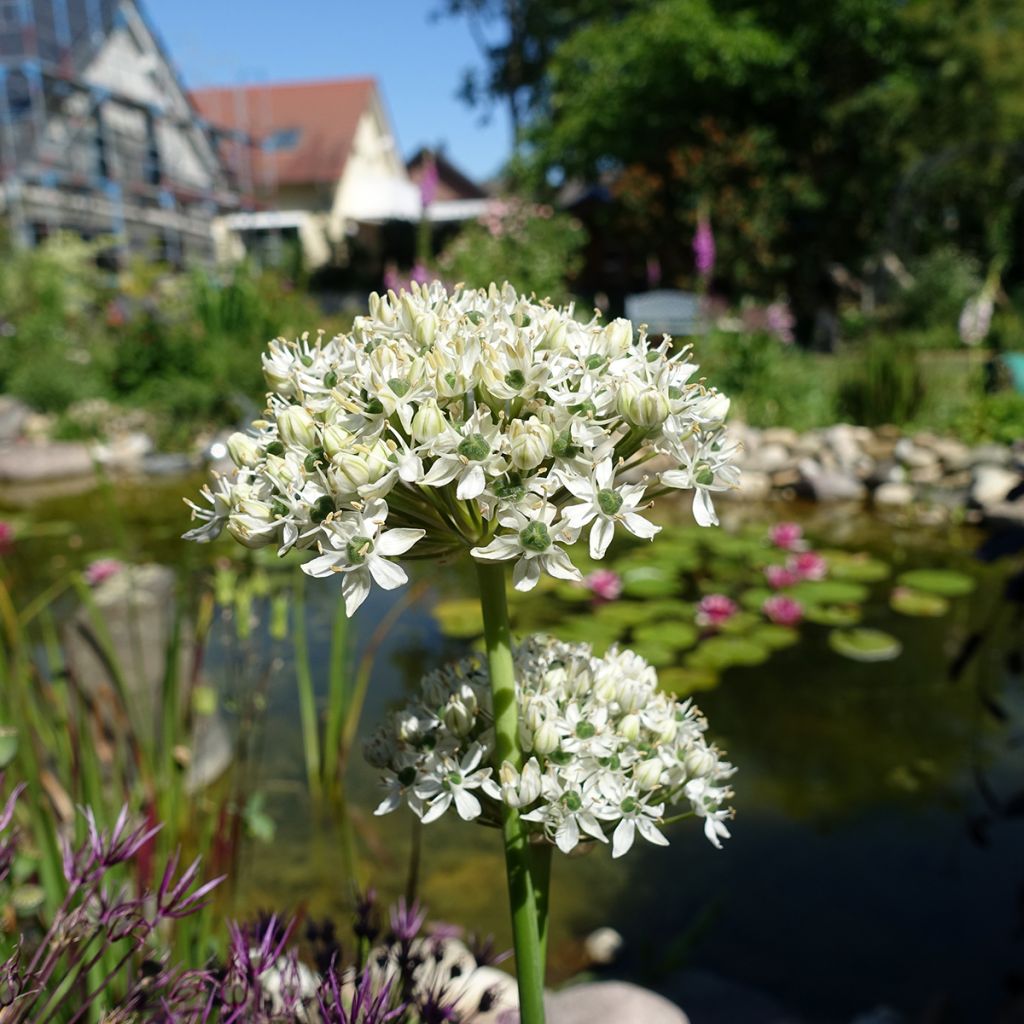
x=704 y=246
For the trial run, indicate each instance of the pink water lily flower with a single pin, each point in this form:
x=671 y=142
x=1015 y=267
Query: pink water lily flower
x=604 y=584
x=779 y=576
x=807 y=565
x=787 y=536
x=714 y=610
x=782 y=610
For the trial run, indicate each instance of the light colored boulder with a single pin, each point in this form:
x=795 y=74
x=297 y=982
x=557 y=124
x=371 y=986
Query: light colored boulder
x=768 y=458
x=912 y=456
x=611 y=1002
x=13 y=414
x=602 y=945
x=36 y=463
x=830 y=485
x=754 y=485
x=991 y=455
x=894 y=495
x=992 y=484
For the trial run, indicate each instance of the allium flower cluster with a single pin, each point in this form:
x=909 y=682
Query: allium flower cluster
x=606 y=751
x=475 y=420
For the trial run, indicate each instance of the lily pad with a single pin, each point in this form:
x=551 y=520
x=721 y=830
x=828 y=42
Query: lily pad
x=679 y=636
x=774 y=637
x=741 y=622
x=833 y=614
x=755 y=597
x=864 y=644
x=725 y=651
x=856 y=568
x=918 y=603
x=945 y=582
x=683 y=681
x=574 y=593
x=459 y=618
x=658 y=654
x=619 y=615
x=649 y=582
x=584 y=629
x=828 y=592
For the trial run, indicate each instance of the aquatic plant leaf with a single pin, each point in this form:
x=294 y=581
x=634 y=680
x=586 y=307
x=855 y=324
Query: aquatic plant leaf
x=864 y=644
x=755 y=597
x=721 y=652
x=945 y=582
x=459 y=618
x=828 y=592
x=658 y=654
x=833 y=614
x=774 y=637
x=679 y=636
x=683 y=681
x=918 y=603
x=649 y=582
x=856 y=567
x=741 y=622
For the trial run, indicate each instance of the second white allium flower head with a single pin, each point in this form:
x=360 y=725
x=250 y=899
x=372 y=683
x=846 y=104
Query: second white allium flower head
x=475 y=420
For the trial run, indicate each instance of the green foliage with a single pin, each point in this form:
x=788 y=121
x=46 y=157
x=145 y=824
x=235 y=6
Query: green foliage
x=883 y=384
x=942 y=281
x=532 y=246
x=770 y=383
x=997 y=417
x=186 y=348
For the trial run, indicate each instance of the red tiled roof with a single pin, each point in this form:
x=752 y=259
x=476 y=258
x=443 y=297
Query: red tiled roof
x=324 y=115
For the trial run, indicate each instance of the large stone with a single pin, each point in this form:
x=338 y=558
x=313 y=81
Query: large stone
x=124 y=454
x=912 y=456
x=993 y=484
x=136 y=608
x=830 y=485
x=38 y=463
x=754 y=486
x=768 y=458
x=13 y=414
x=894 y=495
x=991 y=454
x=611 y=1002
x=785 y=436
x=955 y=455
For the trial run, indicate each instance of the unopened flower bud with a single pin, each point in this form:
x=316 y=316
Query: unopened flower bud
x=648 y=409
x=251 y=523
x=629 y=727
x=295 y=426
x=425 y=328
x=336 y=440
x=520 y=789
x=348 y=473
x=428 y=422
x=378 y=461
x=546 y=739
x=717 y=408
x=699 y=762
x=647 y=774
x=243 y=449
x=618 y=336
x=530 y=443
x=457 y=717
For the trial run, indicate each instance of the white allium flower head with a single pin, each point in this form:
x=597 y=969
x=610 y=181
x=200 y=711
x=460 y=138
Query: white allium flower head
x=602 y=764
x=467 y=421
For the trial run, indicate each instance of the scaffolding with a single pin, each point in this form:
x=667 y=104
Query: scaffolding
x=102 y=142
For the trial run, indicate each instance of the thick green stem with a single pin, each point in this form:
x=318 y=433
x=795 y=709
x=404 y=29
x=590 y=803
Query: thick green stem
x=540 y=861
x=518 y=862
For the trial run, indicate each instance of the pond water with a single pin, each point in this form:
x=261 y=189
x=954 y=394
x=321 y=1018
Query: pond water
x=877 y=857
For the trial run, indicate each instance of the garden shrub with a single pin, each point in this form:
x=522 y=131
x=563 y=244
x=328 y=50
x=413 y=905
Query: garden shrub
x=883 y=384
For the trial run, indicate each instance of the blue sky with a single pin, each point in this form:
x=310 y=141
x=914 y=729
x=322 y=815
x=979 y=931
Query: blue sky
x=417 y=61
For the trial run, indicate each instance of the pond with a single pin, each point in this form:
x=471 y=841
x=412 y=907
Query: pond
x=877 y=857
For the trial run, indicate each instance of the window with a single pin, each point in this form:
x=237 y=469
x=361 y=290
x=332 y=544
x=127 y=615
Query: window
x=282 y=141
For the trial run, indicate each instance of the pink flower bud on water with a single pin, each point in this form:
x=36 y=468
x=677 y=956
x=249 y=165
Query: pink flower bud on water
x=782 y=610
x=714 y=610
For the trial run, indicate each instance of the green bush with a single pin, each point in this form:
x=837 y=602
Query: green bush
x=532 y=246
x=883 y=383
x=997 y=417
x=770 y=383
x=943 y=280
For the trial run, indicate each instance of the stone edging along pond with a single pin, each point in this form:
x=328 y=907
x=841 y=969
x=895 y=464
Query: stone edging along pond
x=883 y=466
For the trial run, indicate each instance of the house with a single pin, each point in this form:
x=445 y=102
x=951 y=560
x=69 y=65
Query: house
x=99 y=137
x=324 y=172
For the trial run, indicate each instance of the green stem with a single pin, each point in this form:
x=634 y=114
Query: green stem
x=307 y=695
x=540 y=861
x=522 y=894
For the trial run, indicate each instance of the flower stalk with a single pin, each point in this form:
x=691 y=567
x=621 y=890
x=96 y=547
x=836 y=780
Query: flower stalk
x=519 y=864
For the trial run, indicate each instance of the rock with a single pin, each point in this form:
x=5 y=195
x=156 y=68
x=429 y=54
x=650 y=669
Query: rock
x=768 y=458
x=754 y=485
x=36 y=463
x=913 y=457
x=786 y=436
x=169 y=464
x=125 y=453
x=1005 y=515
x=887 y=471
x=927 y=474
x=611 y=1002
x=13 y=414
x=990 y=454
x=879 y=447
x=786 y=477
x=603 y=945
x=712 y=999
x=844 y=442
x=992 y=484
x=955 y=455
x=137 y=606
x=830 y=485
x=894 y=495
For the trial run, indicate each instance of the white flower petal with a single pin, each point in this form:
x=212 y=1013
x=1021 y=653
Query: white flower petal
x=397 y=542
x=622 y=840
x=386 y=574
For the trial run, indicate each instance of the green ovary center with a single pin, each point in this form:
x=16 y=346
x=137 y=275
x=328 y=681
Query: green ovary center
x=535 y=538
x=358 y=549
x=475 y=448
x=609 y=501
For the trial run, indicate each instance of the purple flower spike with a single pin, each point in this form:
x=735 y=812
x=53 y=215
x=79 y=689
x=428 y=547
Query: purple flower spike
x=704 y=246
x=407 y=919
